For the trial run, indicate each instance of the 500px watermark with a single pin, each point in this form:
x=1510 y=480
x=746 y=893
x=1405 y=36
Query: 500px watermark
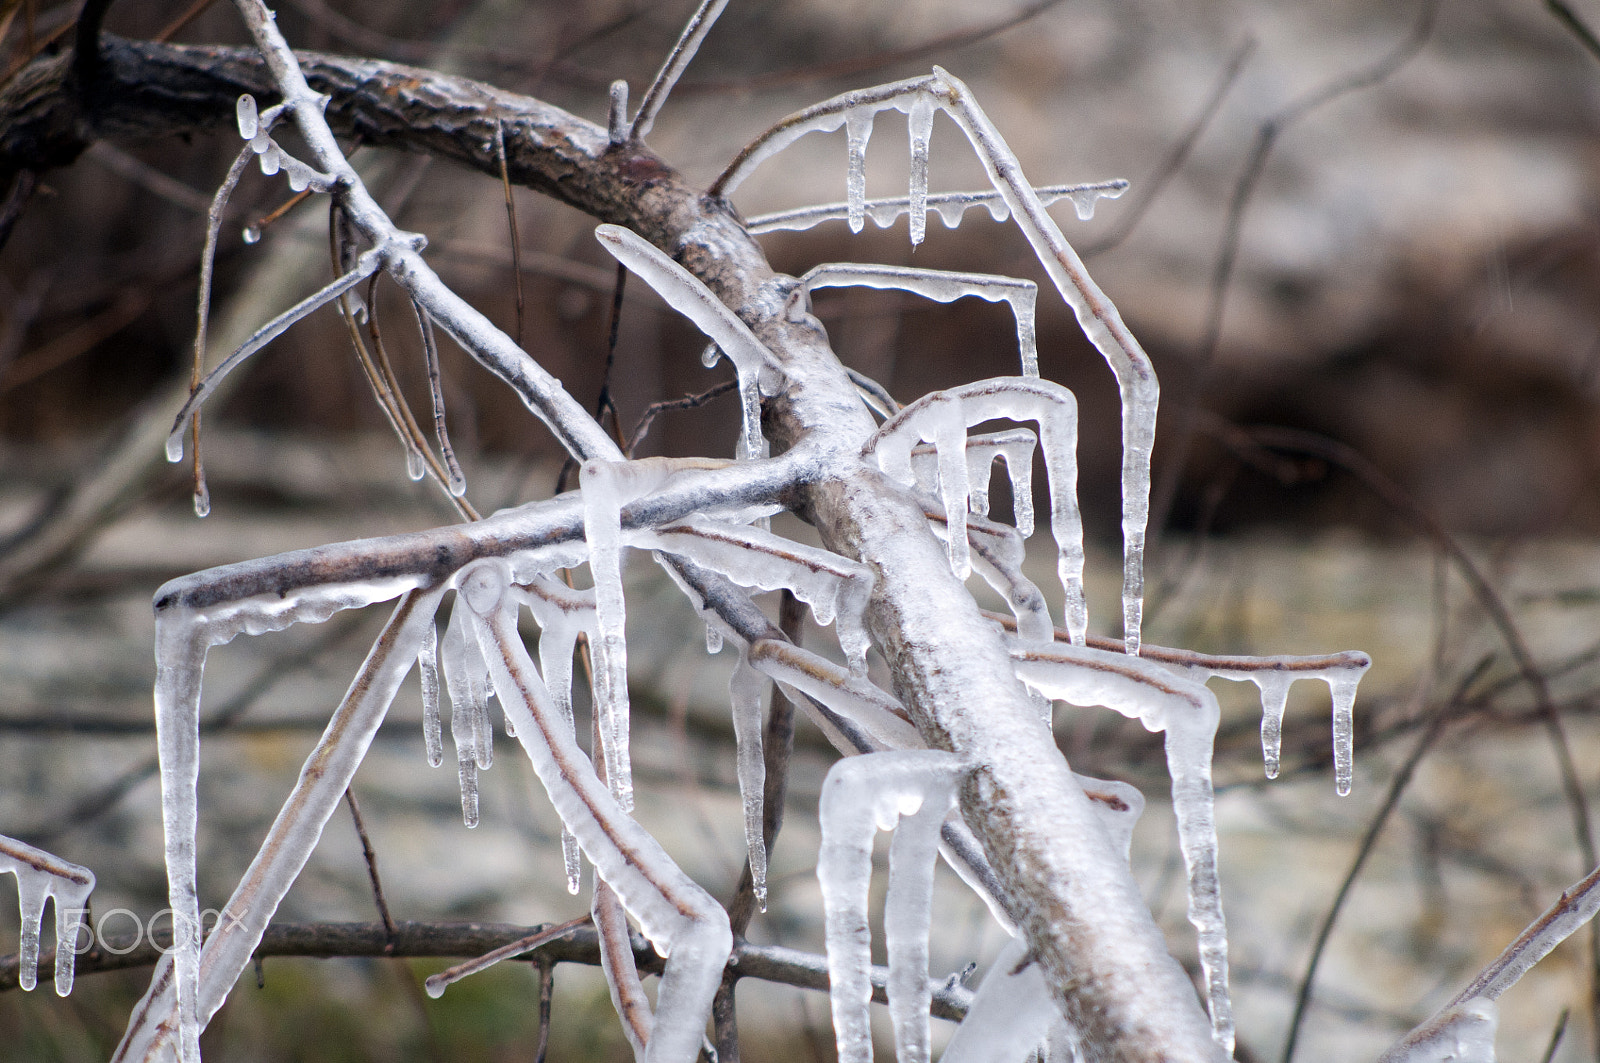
x=107 y=935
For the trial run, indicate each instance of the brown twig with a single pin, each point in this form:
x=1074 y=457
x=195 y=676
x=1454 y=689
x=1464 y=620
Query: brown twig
x=370 y=855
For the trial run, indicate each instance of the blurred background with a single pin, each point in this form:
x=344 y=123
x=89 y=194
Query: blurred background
x=1359 y=244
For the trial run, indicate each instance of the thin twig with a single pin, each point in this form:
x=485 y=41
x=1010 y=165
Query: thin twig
x=1580 y=29
x=511 y=222
x=655 y=409
x=371 y=857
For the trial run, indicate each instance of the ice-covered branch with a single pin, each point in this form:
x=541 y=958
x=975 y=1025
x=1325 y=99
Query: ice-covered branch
x=43 y=877
x=1187 y=712
x=950 y=206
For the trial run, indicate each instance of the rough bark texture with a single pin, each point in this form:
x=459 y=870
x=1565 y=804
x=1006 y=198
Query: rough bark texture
x=1075 y=898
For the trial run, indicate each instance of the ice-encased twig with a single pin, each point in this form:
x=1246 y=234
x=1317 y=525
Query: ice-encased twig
x=1274 y=675
x=942 y=286
x=942 y=419
x=835 y=587
x=188 y=986
x=909 y=792
x=688 y=295
x=1096 y=314
x=42 y=876
x=365 y=266
x=456 y=482
x=678 y=60
x=853 y=697
x=622 y=973
x=562 y=615
x=950 y=206
x=1461 y=1033
x=679 y=917
x=1188 y=714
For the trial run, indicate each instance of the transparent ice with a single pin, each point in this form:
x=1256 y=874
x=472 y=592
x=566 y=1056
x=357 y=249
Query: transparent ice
x=42 y=877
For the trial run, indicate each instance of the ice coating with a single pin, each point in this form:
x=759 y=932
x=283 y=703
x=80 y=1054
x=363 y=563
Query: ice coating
x=681 y=919
x=951 y=206
x=562 y=614
x=942 y=286
x=1274 y=675
x=183 y=636
x=428 y=672
x=42 y=876
x=1462 y=1033
x=852 y=696
x=1119 y=807
x=677 y=62
x=688 y=295
x=1187 y=713
x=998 y=553
x=1010 y=398
x=745 y=689
x=317 y=794
x=1101 y=323
x=1011 y=1013
x=909 y=792
x=833 y=586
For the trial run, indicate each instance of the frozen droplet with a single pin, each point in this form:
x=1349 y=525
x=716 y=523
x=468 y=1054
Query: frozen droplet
x=299 y=178
x=202 y=500
x=260 y=142
x=950 y=211
x=270 y=160
x=414 y=465
x=883 y=213
x=251 y=234
x=249 y=120
x=710 y=355
x=713 y=638
x=175 y=444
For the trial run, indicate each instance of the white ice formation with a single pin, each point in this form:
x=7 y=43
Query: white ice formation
x=942 y=286
x=1187 y=713
x=909 y=792
x=1096 y=314
x=950 y=206
x=1273 y=676
x=942 y=419
x=43 y=877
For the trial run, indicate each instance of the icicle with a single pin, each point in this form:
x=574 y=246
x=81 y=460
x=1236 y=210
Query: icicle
x=42 y=876
x=1101 y=323
x=1187 y=712
x=464 y=674
x=858 y=129
x=998 y=553
x=860 y=795
x=1274 y=675
x=202 y=497
x=745 y=689
x=919 y=127
x=415 y=469
x=833 y=586
x=428 y=672
x=607 y=487
x=561 y=614
x=1274 y=687
x=1016 y=399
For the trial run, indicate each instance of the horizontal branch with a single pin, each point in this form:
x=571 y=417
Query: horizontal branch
x=121 y=951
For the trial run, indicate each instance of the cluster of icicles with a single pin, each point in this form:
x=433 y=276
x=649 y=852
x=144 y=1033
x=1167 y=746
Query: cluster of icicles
x=897 y=784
